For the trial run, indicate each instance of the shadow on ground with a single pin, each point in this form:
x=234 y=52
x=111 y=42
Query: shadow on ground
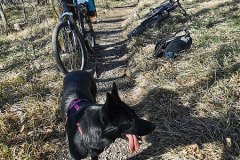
x=177 y=127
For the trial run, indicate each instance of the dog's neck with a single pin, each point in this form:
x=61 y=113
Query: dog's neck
x=75 y=106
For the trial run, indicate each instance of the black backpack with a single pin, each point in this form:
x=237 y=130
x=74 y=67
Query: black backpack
x=169 y=47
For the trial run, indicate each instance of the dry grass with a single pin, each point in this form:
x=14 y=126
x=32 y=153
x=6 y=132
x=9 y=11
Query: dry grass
x=30 y=88
x=194 y=99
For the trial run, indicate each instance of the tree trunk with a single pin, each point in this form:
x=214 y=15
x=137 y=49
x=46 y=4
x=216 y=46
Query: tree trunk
x=54 y=11
x=36 y=12
x=4 y=19
x=24 y=11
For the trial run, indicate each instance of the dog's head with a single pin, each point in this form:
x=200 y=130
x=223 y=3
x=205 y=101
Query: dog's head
x=122 y=122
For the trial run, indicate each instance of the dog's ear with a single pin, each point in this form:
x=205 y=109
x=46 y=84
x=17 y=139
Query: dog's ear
x=114 y=93
x=109 y=108
x=109 y=100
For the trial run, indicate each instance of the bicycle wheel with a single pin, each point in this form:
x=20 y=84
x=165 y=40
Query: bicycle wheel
x=138 y=30
x=146 y=24
x=88 y=32
x=143 y=26
x=68 y=47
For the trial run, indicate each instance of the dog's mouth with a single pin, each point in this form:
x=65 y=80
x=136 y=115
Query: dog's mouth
x=134 y=142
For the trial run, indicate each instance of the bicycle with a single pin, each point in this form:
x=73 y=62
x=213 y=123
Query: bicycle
x=73 y=39
x=157 y=15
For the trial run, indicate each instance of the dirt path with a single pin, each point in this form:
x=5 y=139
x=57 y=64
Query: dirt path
x=112 y=58
x=110 y=64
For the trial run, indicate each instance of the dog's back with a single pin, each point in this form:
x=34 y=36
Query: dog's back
x=78 y=85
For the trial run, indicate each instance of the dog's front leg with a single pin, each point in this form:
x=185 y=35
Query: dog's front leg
x=94 y=157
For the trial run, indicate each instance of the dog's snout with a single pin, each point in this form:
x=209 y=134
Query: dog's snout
x=150 y=126
x=144 y=127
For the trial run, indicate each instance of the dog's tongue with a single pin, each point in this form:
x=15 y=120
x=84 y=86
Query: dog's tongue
x=133 y=144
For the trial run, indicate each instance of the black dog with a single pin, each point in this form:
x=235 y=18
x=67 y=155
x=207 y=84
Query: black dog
x=92 y=127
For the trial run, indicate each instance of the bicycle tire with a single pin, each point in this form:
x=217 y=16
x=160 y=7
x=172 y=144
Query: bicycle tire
x=88 y=32
x=91 y=35
x=138 y=30
x=158 y=10
x=155 y=16
x=146 y=24
x=73 y=57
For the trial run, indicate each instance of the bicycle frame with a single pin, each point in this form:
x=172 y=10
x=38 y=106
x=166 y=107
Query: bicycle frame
x=79 y=10
x=157 y=15
x=69 y=15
